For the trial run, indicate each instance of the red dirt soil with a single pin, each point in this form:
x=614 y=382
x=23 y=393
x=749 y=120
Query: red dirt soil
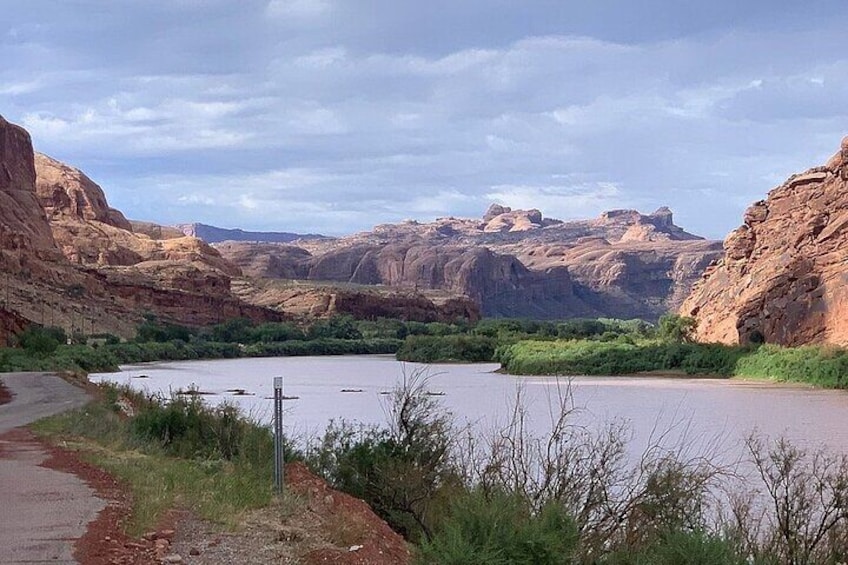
x=374 y=541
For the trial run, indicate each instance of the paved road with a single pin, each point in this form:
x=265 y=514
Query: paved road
x=42 y=511
x=36 y=396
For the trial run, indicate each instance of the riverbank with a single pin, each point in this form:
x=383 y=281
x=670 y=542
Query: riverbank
x=190 y=480
x=825 y=367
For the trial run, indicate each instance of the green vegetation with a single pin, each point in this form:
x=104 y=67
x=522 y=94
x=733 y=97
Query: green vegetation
x=572 y=497
x=449 y=348
x=623 y=347
x=509 y=497
x=584 y=357
x=47 y=349
x=522 y=347
x=820 y=366
x=178 y=453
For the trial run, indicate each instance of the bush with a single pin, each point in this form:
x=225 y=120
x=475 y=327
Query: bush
x=337 y=327
x=499 y=528
x=41 y=341
x=682 y=548
x=186 y=427
x=676 y=328
x=404 y=471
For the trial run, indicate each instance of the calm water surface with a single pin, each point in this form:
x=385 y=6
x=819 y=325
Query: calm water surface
x=697 y=412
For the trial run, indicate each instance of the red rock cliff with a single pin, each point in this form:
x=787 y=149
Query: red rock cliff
x=784 y=275
x=23 y=225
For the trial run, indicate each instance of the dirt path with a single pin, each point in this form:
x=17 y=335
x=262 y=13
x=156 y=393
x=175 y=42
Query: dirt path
x=42 y=510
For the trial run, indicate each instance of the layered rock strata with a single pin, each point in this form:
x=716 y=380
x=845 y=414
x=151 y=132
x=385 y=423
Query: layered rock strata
x=784 y=275
x=513 y=263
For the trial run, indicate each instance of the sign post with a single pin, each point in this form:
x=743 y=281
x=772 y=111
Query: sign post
x=278 y=434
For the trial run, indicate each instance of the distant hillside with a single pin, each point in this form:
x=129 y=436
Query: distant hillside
x=212 y=234
x=511 y=263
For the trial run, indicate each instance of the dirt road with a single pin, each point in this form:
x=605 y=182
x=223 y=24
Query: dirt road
x=42 y=511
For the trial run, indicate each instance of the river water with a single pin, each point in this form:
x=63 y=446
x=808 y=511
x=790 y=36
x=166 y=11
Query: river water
x=704 y=414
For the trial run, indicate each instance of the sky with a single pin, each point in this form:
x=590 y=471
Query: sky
x=332 y=116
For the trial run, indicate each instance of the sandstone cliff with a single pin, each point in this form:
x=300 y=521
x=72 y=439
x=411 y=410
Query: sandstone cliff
x=101 y=277
x=513 y=263
x=321 y=300
x=784 y=276
x=23 y=225
x=89 y=232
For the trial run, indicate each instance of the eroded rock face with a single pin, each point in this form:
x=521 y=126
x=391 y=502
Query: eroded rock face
x=23 y=225
x=89 y=232
x=101 y=277
x=512 y=263
x=784 y=276
x=64 y=191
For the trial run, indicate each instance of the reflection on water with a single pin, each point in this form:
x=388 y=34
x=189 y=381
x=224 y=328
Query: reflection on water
x=697 y=412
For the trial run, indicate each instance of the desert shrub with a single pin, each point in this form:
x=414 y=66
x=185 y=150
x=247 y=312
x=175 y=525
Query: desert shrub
x=236 y=330
x=152 y=330
x=821 y=366
x=681 y=548
x=494 y=528
x=336 y=327
x=804 y=519
x=383 y=328
x=185 y=426
x=323 y=346
x=41 y=341
x=275 y=332
x=404 y=471
x=676 y=328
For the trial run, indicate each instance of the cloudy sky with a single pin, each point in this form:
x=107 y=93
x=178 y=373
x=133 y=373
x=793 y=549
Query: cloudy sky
x=334 y=115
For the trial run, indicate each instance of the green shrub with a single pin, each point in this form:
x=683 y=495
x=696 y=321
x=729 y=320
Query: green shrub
x=681 y=548
x=676 y=328
x=186 y=427
x=500 y=529
x=337 y=327
x=404 y=471
x=41 y=341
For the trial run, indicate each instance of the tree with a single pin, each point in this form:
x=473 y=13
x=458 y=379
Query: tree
x=676 y=328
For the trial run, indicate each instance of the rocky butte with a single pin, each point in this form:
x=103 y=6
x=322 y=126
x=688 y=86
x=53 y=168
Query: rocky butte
x=784 y=275
x=514 y=263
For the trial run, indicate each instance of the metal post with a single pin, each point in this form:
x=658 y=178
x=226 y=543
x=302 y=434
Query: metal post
x=278 y=434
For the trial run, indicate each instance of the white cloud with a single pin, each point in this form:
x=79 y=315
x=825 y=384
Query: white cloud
x=305 y=9
x=407 y=110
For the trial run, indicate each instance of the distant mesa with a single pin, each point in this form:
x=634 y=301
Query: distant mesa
x=212 y=234
x=509 y=262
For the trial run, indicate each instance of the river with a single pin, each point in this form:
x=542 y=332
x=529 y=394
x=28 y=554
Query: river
x=709 y=414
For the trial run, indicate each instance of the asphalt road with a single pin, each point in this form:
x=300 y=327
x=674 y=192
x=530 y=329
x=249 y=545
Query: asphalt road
x=42 y=511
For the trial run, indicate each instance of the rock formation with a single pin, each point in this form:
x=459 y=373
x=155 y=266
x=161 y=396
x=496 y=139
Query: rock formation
x=23 y=225
x=305 y=301
x=784 y=277
x=511 y=262
x=68 y=259
x=89 y=232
